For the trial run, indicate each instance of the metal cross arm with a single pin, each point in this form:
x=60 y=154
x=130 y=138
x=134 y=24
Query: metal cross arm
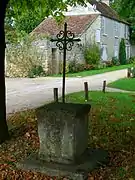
x=65 y=41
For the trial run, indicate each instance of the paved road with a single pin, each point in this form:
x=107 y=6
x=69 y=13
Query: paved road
x=23 y=93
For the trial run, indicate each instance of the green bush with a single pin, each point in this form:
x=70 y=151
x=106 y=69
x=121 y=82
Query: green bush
x=115 y=61
x=36 y=71
x=122 y=52
x=92 y=54
x=108 y=63
x=101 y=65
x=88 y=67
x=131 y=60
x=75 y=67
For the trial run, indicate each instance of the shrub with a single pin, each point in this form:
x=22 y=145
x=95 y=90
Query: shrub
x=122 y=52
x=115 y=61
x=79 y=67
x=90 y=67
x=108 y=63
x=92 y=54
x=102 y=65
x=36 y=71
x=131 y=60
x=75 y=67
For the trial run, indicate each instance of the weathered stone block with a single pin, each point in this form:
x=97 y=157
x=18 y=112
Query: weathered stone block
x=63 y=134
x=63 y=131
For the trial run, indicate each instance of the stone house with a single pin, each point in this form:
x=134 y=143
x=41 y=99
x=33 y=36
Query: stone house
x=97 y=22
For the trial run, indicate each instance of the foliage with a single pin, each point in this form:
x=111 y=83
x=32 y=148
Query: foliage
x=100 y=70
x=126 y=10
x=115 y=61
x=122 y=52
x=92 y=54
x=131 y=60
x=74 y=67
x=108 y=63
x=36 y=71
x=24 y=60
x=23 y=16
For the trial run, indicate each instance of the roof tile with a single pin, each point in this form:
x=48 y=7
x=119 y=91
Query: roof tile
x=76 y=24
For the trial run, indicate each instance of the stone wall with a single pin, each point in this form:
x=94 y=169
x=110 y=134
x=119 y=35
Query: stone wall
x=19 y=62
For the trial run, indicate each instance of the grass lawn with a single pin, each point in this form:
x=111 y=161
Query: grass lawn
x=112 y=127
x=125 y=84
x=94 y=72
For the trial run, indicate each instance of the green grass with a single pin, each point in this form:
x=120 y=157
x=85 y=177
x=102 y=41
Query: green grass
x=112 y=127
x=94 y=72
x=125 y=84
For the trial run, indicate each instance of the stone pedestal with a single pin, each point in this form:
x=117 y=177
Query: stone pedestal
x=63 y=134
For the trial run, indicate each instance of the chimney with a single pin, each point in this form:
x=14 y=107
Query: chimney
x=107 y=2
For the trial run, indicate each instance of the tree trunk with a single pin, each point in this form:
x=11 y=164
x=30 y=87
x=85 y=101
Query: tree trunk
x=4 y=135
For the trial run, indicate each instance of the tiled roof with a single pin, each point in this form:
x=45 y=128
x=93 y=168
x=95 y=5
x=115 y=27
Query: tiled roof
x=76 y=24
x=107 y=11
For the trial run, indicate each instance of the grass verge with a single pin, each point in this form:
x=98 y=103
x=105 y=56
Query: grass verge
x=94 y=72
x=112 y=127
x=124 y=84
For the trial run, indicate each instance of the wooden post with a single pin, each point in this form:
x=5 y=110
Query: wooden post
x=55 y=91
x=129 y=72
x=133 y=72
x=86 y=90
x=104 y=86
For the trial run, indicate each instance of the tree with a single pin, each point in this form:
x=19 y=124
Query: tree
x=3 y=125
x=18 y=7
x=23 y=16
x=126 y=10
x=122 y=52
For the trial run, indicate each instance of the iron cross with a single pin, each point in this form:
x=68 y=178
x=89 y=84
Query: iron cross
x=64 y=41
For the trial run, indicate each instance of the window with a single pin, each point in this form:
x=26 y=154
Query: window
x=127 y=51
x=116 y=29
x=116 y=47
x=116 y=42
x=103 y=26
x=116 y=51
x=97 y=36
x=104 y=53
x=126 y=32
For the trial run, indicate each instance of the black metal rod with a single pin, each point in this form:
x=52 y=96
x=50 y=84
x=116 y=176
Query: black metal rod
x=64 y=62
x=55 y=91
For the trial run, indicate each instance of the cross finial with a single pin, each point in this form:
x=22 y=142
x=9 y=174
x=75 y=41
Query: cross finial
x=65 y=41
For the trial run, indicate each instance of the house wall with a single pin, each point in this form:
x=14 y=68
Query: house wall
x=111 y=34
x=87 y=37
x=105 y=34
x=133 y=50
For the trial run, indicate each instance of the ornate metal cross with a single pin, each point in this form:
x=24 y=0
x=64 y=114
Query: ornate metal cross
x=64 y=41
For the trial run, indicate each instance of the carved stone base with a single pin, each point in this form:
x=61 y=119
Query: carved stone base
x=91 y=159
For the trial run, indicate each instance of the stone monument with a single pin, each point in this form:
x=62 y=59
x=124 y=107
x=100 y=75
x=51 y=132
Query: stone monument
x=63 y=133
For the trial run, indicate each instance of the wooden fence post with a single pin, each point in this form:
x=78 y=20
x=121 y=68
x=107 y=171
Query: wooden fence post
x=86 y=90
x=129 y=72
x=104 y=86
x=55 y=91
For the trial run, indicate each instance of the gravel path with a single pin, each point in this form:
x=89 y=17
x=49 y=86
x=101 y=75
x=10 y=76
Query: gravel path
x=23 y=93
